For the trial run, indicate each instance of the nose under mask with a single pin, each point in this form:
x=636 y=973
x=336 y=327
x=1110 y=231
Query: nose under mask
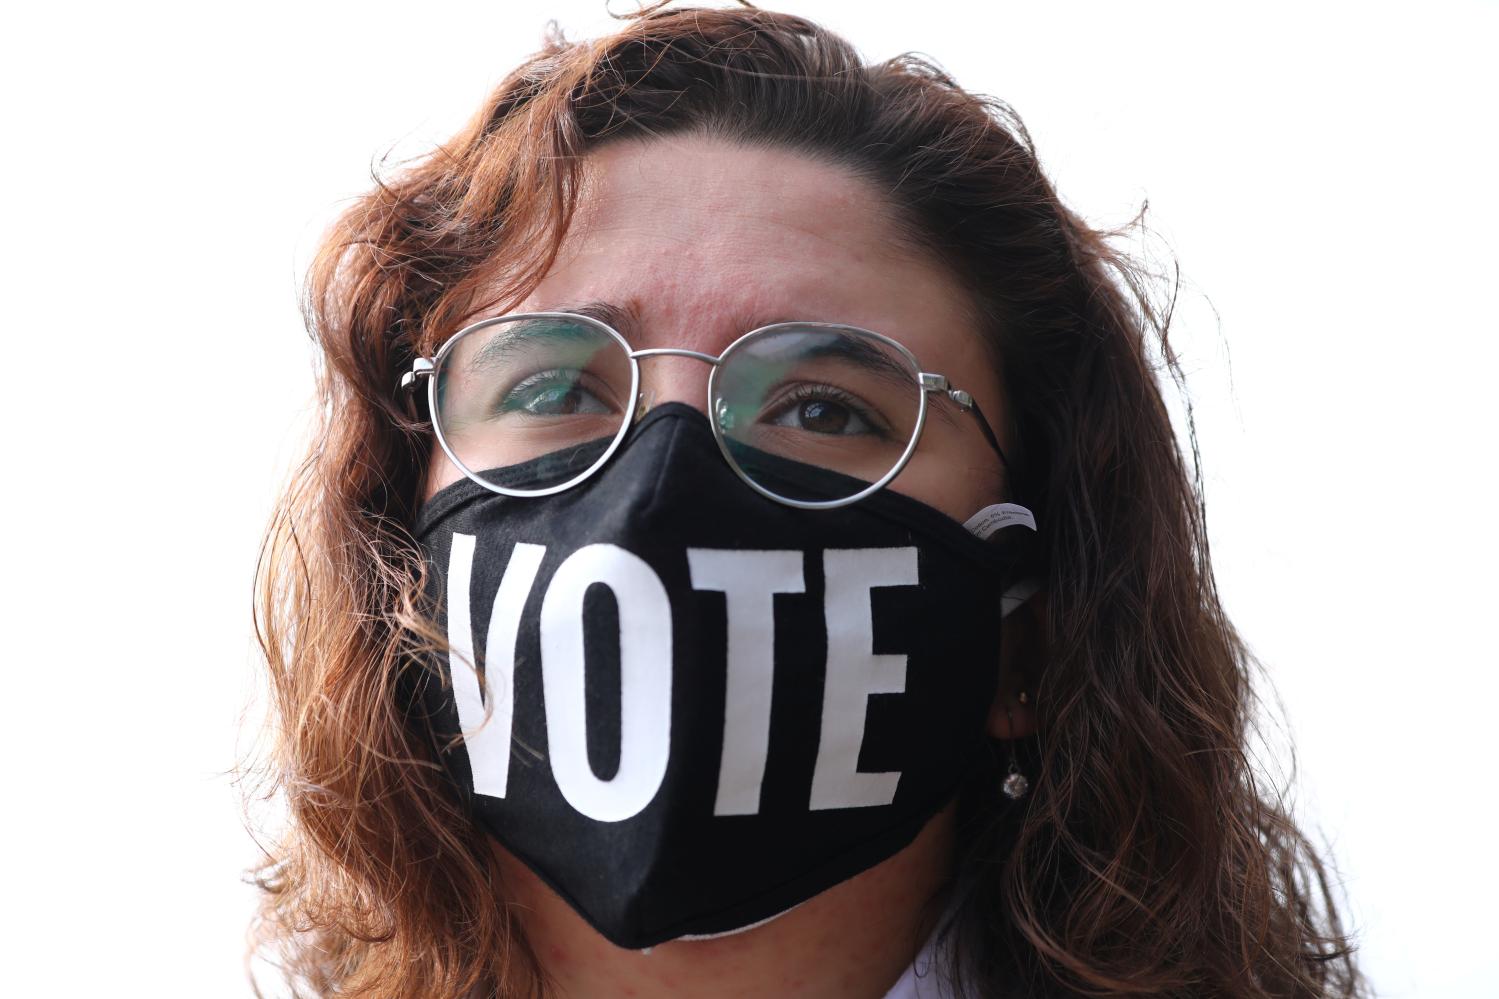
x=687 y=707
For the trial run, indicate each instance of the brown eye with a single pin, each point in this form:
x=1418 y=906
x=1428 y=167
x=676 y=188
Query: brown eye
x=822 y=409
x=824 y=417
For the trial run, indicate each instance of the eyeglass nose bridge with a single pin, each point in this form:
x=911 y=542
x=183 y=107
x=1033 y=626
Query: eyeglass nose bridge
x=676 y=352
x=643 y=399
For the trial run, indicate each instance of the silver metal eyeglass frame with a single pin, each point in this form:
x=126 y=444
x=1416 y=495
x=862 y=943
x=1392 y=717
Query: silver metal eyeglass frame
x=425 y=368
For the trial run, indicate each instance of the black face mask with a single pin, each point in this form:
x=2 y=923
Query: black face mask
x=705 y=706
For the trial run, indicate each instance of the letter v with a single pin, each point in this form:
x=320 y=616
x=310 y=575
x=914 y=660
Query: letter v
x=488 y=743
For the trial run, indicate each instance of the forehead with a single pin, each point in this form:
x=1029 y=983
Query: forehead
x=701 y=239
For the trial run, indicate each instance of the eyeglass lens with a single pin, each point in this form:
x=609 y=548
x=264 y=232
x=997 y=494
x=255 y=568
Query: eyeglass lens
x=530 y=404
x=832 y=399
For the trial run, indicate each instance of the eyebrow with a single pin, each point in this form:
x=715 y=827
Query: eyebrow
x=625 y=320
x=865 y=355
x=509 y=339
x=502 y=343
x=622 y=318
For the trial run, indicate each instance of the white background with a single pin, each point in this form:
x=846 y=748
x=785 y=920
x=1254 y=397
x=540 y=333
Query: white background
x=1324 y=174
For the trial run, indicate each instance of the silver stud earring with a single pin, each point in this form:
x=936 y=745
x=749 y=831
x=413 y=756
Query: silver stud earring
x=1015 y=783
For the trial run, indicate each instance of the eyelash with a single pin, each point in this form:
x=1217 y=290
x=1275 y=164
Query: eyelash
x=541 y=379
x=804 y=392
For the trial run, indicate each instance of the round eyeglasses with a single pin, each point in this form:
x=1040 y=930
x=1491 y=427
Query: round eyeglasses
x=534 y=403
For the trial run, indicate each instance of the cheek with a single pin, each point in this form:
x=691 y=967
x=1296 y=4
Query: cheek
x=440 y=472
x=959 y=485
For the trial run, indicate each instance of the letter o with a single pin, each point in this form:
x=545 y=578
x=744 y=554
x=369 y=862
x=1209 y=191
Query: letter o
x=645 y=669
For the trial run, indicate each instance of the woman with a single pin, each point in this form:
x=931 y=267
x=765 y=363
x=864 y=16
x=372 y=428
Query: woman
x=747 y=553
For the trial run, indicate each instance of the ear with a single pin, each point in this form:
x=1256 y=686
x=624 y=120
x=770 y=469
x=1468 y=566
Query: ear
x=1022 y=658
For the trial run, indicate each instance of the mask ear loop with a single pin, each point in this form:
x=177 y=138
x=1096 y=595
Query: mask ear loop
x=1013 y=596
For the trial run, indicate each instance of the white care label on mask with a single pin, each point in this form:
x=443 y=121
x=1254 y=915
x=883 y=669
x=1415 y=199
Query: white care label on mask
x=997 y=517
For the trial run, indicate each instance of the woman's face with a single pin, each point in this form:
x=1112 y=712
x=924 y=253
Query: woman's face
x=701 y=240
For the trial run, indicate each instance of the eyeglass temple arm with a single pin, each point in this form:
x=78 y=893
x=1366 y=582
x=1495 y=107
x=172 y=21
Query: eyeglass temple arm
x=972 y=406
x=938 y=383
x=421 y=367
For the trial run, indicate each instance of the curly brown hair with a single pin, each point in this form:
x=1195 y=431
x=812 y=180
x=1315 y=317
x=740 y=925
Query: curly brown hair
x=1152 y=858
